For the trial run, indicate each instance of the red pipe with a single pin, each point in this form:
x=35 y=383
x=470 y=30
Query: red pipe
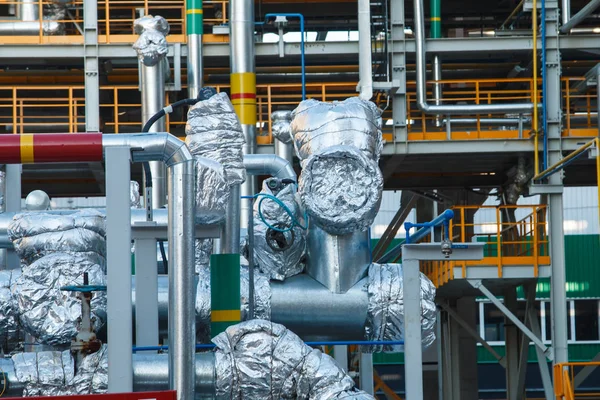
x=50 y=147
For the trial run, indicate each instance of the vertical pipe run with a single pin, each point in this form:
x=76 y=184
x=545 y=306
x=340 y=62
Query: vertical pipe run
x=435 y=32
x=566 y=11
x=243 y=87
x=182 y=330
x=29 y=10
x=153 y=100
x=195 y=29
x=436 y=19
x=365 y=62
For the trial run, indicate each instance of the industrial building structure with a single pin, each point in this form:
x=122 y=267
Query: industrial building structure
x=487 y=109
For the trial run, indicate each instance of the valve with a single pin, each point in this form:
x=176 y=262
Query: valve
x=85 y=342
x=446 y=248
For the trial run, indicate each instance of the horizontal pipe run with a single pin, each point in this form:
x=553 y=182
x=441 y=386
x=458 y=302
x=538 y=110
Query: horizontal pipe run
x=150 y=373
x=580 y=16
x=201 y=346
x=421 y=71
x=269 y=164
x=555 y=167
x=50 y=147
x=29 y=28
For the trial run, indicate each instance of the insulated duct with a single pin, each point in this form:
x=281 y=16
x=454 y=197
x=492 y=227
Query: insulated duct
x=252 y=359
x=152 y=48
x=134 y=195
x=421 y=72
x=57 y=251
x=338 y=145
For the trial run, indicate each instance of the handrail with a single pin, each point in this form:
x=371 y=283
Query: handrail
x=564 y=380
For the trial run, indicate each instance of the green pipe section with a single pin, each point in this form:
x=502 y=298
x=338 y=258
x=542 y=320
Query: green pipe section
x=225 y=292
x=436 y=19
x=194 y=17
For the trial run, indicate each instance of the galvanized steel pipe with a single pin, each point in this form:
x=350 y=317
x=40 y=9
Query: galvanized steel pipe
x=365 y=63
x=195 y=29
x=421 y=72
x=580 y=16
x=153 y=100
x=29 y=23
x=269 y=164
x=243 y=89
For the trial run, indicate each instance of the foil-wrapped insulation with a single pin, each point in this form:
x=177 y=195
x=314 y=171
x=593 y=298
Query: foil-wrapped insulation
x=262 y=360
x=212 y=191
x=353 y=122
x=92 y=374
x=341 y=189
x=281 y=126
x=48 y=313
x=45 y=373
x=35 y=235
x=385 y=320
x=278 y=254
x=56 y=251
x=214 y=131
x=9 y=312
x=52 y=373
x=134 y=195
x=151 y=46
x=262 y=298
x=203 y=249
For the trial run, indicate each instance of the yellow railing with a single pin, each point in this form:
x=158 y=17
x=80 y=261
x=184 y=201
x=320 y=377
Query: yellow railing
x=522 y=242
x=564 y=377
x=115 y=21
x=21 y=104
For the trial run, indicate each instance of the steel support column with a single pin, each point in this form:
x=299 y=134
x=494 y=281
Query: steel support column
x=92 y=79
x=398 y=70
x=118 y=261
x=511 y=336
x=146 y=293
x=366 y=373
x=558 y=292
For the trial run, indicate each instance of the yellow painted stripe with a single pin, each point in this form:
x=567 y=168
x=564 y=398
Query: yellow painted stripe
x=243 y=82
x=246 y=113
x=236 y=102
x=225 y=315
x=436 y=19
x=26 y=149
x=195 y=11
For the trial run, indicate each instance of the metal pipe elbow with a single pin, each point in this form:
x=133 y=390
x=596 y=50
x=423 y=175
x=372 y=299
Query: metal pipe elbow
x=176 y=151
x=269 y=164
x=151 y=147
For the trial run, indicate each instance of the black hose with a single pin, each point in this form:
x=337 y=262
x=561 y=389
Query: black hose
x=163 y=254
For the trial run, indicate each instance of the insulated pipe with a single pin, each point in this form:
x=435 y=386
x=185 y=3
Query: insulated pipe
x=150 y=373
x=164 y=147
x=580 y=16
x=153 y=100
x=29 y=10
x=365 y=63
x=421 y=72
x=195 y=29
x=29 y=23
x=269 y=164
x=437 y=86
x=243 y=97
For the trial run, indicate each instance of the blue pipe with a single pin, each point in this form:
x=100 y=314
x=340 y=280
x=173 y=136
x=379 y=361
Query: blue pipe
x=325 y=343
x=301 y=17
x=544 y=87
x=442 y=219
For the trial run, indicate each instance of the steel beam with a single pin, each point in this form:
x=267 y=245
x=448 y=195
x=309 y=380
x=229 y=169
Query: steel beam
x=477 y=284
x=511 y=337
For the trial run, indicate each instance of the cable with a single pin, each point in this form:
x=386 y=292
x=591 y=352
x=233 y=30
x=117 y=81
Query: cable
x=285 y=208
x=163 y=254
